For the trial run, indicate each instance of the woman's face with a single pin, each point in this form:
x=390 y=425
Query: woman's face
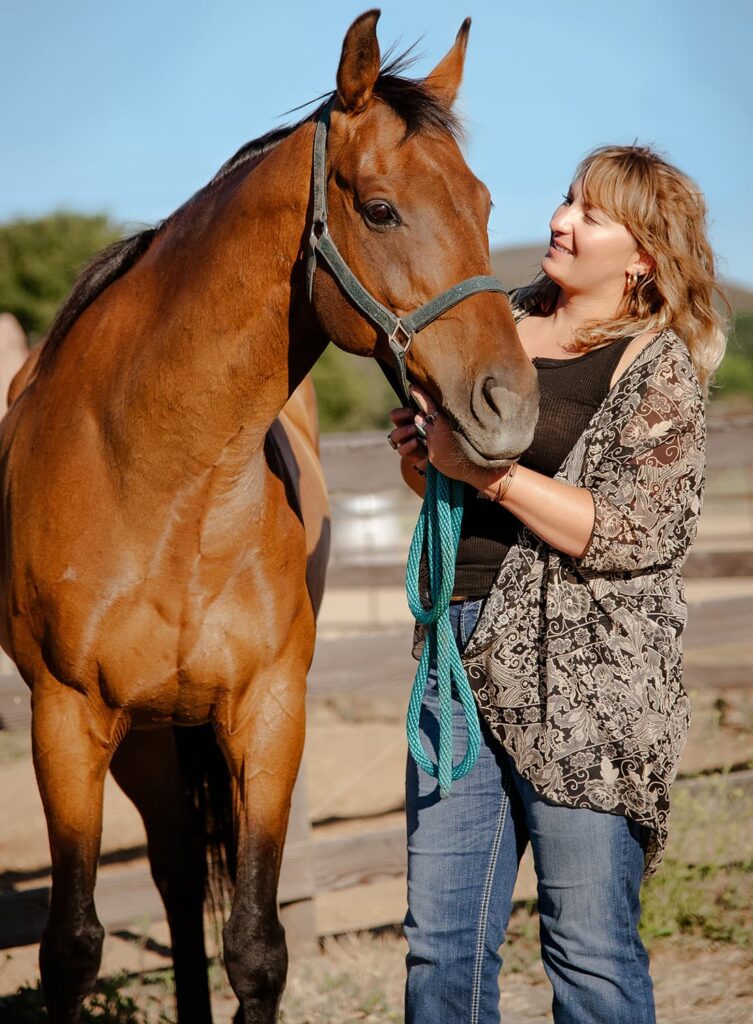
x=588 y=252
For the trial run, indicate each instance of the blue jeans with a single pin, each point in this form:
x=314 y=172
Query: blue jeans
x=463 y=856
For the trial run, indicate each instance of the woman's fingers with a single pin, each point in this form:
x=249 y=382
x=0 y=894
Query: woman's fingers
x=402 y=416
x=400 y=435
x=412 y=447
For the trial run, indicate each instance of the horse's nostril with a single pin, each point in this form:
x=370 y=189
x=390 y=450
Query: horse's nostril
x=494 y=400
x=494 y=395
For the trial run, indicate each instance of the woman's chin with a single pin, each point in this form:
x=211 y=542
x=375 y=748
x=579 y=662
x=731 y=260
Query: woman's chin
x=549 y=266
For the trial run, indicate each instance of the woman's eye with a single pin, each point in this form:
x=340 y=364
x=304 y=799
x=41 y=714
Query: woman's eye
x=567 y=199
x=380 y=212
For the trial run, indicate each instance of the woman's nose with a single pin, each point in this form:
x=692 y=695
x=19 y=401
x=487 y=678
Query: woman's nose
x=560 y=219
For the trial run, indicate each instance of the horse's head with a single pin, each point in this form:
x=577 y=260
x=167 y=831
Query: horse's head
x=410 y=217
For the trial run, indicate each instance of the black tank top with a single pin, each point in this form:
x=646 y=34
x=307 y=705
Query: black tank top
x=570 y=390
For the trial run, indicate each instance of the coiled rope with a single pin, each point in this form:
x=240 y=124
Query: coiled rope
x=438 y=533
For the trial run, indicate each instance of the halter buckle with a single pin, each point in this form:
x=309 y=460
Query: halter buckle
x=318 y=230
x=397 y=348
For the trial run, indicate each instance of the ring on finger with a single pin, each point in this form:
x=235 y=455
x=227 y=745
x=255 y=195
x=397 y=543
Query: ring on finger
x=393 y=444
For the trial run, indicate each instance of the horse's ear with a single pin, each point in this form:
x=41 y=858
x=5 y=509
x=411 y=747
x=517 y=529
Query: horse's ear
x=359 y=63
x=444 y=81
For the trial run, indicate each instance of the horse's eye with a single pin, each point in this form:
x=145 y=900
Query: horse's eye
x=381 y=213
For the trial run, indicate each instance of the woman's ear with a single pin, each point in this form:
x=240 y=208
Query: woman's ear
x=643 y=264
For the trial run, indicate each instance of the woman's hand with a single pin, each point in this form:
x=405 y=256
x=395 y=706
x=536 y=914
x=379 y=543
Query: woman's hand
x=561 y=514
x=406 y=440
x=408 y=444
x=442 y=446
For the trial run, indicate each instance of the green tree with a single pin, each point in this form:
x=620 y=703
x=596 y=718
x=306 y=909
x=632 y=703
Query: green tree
x=40 y=259
x=352 y=392
x=734 y=378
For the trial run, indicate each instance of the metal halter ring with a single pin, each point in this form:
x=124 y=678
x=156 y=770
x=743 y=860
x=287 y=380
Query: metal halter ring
x=430 y=417
x=400 y=345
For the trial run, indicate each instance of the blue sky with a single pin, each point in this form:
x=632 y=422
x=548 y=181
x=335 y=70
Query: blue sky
x=129 y=108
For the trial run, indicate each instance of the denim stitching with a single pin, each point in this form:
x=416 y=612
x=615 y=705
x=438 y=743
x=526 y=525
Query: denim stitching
x=470 y=610
x=485 y=900
x=461 y=626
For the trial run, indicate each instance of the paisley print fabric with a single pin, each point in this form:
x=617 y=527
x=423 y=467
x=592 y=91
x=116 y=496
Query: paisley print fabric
x=576 y=663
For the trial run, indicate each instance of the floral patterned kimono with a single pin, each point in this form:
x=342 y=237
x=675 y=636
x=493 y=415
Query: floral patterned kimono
x=576 y=663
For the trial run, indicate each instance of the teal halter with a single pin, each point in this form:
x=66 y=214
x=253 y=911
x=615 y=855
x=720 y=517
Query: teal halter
x=438 y=527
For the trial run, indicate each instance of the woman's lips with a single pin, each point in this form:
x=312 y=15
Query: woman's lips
x=563 y=250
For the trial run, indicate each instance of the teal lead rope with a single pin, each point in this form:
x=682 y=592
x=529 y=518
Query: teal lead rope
x=438 y=533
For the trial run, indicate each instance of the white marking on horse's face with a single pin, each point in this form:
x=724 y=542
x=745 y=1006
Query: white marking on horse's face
x=69 y=574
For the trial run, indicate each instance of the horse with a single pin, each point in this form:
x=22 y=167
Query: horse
x=165 y=523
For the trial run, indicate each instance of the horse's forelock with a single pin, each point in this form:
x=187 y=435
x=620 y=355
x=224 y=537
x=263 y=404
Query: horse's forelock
x=420 y=109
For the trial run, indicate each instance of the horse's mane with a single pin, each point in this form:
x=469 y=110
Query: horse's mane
x=420 y=109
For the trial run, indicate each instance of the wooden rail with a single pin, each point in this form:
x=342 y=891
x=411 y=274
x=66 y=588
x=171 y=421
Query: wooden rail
x=355 y=463
x=129 y=894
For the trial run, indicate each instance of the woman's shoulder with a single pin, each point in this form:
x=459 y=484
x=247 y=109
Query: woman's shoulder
x=661 y=386
x=669 y=358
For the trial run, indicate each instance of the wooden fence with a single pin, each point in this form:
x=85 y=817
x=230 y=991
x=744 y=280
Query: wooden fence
x=376 y=662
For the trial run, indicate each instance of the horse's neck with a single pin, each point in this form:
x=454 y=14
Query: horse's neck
x=210 y=332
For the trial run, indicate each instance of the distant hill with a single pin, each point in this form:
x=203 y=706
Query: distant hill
x=741 y=298
x=518 y=264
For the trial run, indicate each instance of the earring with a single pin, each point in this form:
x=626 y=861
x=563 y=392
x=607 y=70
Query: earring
x=632 y=281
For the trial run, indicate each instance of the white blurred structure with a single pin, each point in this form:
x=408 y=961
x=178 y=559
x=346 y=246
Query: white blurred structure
x=14 y=350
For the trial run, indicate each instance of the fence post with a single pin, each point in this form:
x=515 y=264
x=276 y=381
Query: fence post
x=299 y=915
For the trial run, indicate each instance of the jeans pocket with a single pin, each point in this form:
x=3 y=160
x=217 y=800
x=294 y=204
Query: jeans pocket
x=470 y=613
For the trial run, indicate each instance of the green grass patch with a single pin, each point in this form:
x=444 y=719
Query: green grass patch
x=109 y=1004
x=708 y=901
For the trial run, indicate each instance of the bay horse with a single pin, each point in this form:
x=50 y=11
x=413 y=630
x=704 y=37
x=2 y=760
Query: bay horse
x=165 y=521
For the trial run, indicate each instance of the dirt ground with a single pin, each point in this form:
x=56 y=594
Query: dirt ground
x=360 y=977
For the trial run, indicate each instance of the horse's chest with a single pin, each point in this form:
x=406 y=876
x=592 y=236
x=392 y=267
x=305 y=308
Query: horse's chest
x=172 y=652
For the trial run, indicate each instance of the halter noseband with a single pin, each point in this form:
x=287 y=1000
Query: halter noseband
x=400 y=331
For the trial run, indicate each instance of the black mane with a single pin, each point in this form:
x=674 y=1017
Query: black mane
x=419 y=108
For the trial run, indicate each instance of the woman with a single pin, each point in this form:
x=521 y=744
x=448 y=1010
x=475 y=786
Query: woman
x=568 y=608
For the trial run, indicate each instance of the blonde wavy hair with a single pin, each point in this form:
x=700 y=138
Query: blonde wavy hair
x=665 y=212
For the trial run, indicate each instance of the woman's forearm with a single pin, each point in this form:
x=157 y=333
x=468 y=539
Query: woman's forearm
x=559 y=513
x=414 y=480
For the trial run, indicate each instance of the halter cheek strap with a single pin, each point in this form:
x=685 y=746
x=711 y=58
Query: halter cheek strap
x=400 y=331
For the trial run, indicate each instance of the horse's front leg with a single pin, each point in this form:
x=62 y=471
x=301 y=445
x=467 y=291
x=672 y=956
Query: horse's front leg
x=73 y=743
x=262 y=738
